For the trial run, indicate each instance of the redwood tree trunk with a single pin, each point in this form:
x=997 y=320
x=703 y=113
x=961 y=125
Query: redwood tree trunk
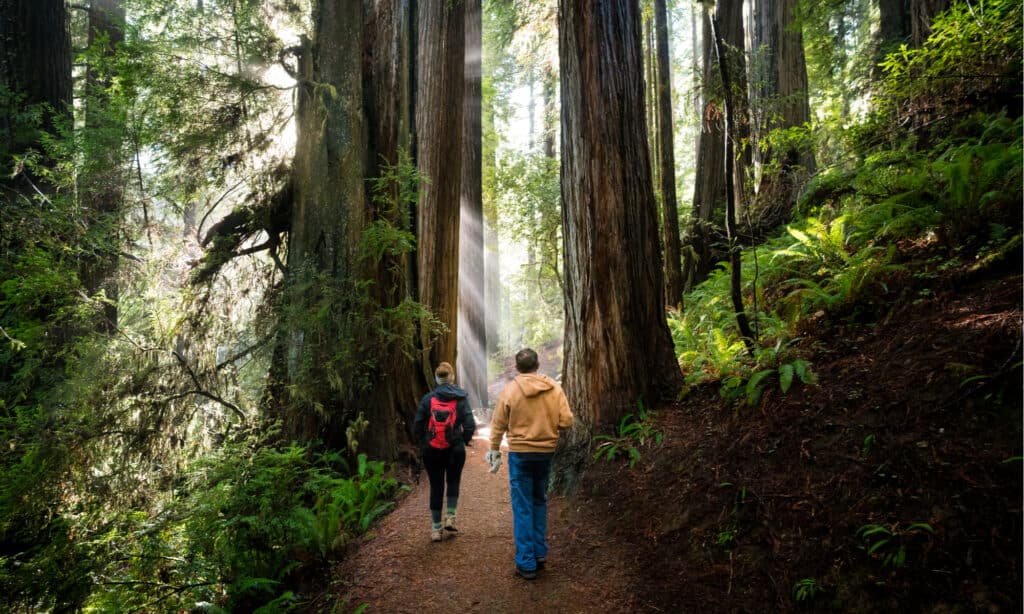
x=439 y=101
x=35 y=61
x=670 y=206
x=709 y=189
x=103 y=194
x=617 y=345
x=327 y=218
x=398 y=388
x=785 y=96
x=922 y=12
x=472 y=351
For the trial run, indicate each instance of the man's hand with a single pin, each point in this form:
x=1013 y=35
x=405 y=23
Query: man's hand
x=493 y=457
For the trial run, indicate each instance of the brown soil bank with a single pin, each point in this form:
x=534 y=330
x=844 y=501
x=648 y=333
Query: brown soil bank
x=740 y=509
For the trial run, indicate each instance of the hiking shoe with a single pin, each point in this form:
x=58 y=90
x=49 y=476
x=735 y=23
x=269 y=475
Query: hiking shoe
x=540 y=562
x=526 y=574
x=449 y=523
x=436 y=535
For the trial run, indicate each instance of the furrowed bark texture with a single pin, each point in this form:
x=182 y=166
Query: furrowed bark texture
x=472 y=361
x=709 y=189
x=439 y=100
x=785 y=96
x=667 y=161
x=617 y=345
x=730 y=15
x=35 y=58
x=399 y=386
x=328 y=216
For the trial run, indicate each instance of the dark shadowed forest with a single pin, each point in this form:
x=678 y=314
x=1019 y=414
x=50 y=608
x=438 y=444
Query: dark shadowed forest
x=769 y=249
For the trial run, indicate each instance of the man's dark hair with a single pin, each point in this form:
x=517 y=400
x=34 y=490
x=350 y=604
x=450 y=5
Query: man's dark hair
x=526 y=361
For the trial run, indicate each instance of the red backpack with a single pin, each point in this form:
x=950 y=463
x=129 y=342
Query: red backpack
x=442 y=423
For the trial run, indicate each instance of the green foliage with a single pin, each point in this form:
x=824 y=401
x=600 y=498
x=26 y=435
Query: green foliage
x=250 y=520
x=971 y=60
x=806 y=589
x=529 y=210
x=889 y=544
x=633 y=432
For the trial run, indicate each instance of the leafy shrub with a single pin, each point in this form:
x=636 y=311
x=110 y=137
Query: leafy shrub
x=251 y=520
x=633 y=432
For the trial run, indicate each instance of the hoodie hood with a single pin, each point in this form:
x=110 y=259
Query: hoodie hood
x=534 y=383
x=447 y=392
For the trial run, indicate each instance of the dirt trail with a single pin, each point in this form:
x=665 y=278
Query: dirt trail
x=399 y=569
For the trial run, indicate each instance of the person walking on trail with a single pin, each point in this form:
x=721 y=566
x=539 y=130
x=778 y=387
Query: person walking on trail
x=444 y=426
x=531 y=410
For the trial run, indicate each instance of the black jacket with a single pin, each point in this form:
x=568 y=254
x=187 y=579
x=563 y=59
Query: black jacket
x=464 y=421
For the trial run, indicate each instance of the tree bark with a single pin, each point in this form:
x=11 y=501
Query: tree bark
x=617 y=345
x=709 y=189
x=314 y=380
x=785 y=96
x=922 y=12
x=398 y=388
x=733 y=37
x=735 y=292
x=439 y=100
x=669 y=204
x=103 y=190
x=35 y=63
x=472 y=350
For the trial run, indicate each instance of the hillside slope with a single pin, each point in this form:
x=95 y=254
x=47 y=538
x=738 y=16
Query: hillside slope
x=916 y=418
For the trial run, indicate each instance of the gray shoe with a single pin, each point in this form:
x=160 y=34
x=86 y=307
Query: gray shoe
x=525 y=574
x=436 y=535
x=449 y=523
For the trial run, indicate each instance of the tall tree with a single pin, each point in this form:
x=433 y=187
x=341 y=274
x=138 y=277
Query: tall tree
x=472 y=334
x=388 y=43
x=439 y=101
x=35 y=62
x=666 y=160
x=723 y=9
x=102 y=190
x=617 y=344
x=783 y=92
x=327 y=218
x=730 y=22
x=922 y=12
x=709 y=189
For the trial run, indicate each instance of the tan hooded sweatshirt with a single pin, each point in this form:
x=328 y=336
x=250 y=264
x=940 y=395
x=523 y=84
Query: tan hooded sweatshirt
x=531 y=409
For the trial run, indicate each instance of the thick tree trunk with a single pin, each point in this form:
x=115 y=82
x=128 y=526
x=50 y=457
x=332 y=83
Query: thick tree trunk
x=398 y=388
x=315 y=379
x=735 y=286
x=785 y=96
x=667 y=162
x=35 y=63
x=730 y=15
x=922 y=12
x=709 y=189
x=617 y=345
x=439 y=99
x=102 y=195
x=472 y=351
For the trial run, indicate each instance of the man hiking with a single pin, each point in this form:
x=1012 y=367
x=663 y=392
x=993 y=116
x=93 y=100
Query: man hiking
x=531 y=411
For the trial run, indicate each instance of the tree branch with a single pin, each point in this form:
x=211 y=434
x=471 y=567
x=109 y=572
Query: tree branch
x=205 y=393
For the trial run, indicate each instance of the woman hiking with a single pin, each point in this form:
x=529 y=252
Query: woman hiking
x=443 y=428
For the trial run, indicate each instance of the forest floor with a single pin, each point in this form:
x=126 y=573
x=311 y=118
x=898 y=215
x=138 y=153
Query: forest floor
x=742 y=507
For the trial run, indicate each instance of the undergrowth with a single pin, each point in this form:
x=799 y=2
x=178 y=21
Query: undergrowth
x=959 y=199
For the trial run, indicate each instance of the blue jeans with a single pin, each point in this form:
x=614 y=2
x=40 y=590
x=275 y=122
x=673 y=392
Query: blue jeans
x=528 y=481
